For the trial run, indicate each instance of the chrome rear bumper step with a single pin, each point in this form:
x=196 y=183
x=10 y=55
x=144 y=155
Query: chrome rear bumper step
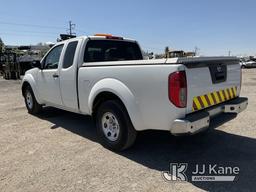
x=200 y=120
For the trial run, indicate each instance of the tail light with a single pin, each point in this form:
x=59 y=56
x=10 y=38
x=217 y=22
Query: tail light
x=178 y=89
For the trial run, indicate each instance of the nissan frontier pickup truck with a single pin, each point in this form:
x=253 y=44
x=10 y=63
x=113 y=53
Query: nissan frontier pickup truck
x=106 y=77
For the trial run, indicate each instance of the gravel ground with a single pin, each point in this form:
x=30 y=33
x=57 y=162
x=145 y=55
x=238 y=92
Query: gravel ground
x=58 y=151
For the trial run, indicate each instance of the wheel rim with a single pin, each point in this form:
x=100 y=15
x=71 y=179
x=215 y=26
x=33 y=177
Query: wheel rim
x=29 y=100
x=110 y=126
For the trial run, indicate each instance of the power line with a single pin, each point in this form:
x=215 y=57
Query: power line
x=30 y=25
x=70 y=30
x=26 y=35
x=81 y=30
x=37 y=32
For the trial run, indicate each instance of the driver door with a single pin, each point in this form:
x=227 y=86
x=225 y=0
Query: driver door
x=48 y=77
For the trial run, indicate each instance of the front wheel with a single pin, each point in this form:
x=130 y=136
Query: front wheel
x=32 y=106
x=114 y=127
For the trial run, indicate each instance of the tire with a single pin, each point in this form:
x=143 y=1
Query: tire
x=32 y=105
x=114 y=128
x=243 y=67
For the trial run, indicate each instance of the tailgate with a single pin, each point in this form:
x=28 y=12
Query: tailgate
x=211 y=80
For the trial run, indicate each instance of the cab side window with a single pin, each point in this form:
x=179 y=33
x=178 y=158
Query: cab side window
x=69 y=54
x=52 y=59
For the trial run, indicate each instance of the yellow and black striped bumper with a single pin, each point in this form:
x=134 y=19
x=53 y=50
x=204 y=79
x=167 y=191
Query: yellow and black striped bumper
x=214 y=98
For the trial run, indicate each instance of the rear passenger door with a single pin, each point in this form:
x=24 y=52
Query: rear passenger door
x=68 y=75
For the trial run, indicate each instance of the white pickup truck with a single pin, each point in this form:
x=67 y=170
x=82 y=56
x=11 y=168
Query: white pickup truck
x=106 y=77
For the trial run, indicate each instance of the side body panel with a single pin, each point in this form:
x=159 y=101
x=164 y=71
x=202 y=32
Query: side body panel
x=142 y=88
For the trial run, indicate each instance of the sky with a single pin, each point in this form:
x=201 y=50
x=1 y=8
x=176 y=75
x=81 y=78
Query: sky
x=215 y=27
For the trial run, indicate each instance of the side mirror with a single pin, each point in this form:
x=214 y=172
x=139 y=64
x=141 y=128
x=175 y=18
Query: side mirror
x=37 y=64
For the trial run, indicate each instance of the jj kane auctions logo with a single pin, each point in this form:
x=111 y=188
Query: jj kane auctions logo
x=210 y=172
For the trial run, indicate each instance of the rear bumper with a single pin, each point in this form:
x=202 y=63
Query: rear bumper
x=200 y=120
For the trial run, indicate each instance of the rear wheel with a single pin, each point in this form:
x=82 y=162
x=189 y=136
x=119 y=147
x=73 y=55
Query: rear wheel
x=114 y=127
x=32 y=105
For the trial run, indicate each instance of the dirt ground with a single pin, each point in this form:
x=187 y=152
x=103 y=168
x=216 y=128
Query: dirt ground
x=58 y=151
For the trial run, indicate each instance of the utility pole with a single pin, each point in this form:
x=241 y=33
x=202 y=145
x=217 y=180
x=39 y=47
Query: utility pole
x=196 y=51
x=166 y=51
x=69 y=32
x=71 y=28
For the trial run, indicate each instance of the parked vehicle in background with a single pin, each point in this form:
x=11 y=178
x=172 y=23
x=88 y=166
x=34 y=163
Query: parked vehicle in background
x=248 y=64
x=242 y=62
x=106 y=77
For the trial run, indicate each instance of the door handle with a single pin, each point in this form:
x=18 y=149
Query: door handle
x=55 y=75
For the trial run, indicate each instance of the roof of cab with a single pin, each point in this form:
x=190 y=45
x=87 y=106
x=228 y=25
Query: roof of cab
x=96 y=37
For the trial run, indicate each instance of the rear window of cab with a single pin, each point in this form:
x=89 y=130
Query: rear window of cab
x=111 y=50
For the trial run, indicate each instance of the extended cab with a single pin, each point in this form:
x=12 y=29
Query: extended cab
x=106 y=77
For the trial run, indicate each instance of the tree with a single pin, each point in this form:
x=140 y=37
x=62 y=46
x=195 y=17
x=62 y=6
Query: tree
x=40 y=44
x=1 y=46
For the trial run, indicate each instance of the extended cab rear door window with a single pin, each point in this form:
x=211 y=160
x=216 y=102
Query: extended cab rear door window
x=51 y=61
x=111 y=50
x=69 y=54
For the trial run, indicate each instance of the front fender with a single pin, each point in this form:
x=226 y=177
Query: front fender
x=124 y=93
x=32 y=82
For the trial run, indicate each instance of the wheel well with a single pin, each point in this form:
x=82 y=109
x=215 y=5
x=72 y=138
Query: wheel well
x=24 y=86
x=102 y=97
